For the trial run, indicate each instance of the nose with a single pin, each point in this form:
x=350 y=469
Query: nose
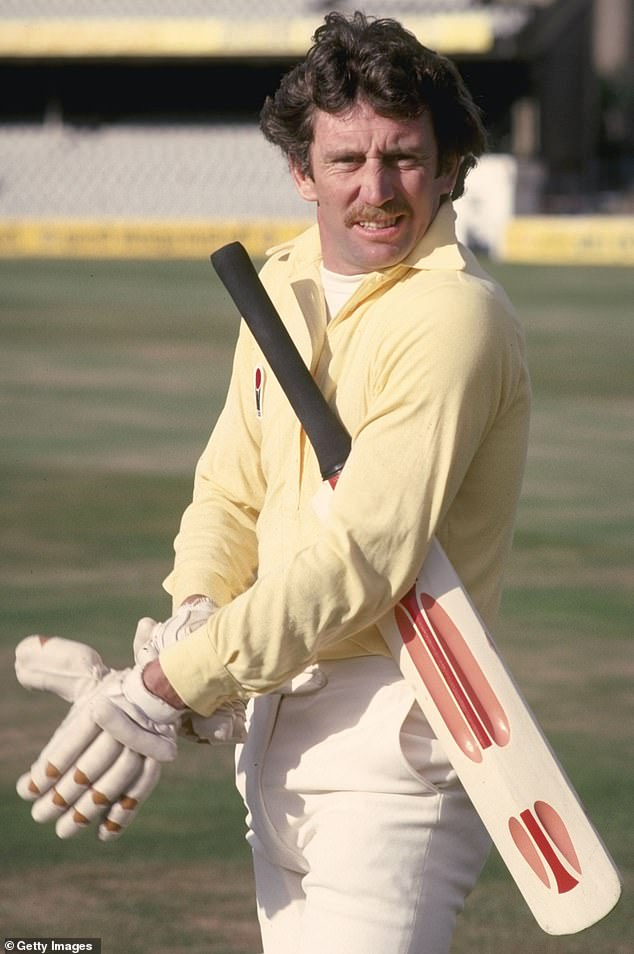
x=377 y=186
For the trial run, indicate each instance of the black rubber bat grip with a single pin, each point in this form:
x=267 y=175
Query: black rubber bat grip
x=326 y=433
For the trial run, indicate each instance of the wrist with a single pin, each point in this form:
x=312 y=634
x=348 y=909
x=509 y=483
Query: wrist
x=156 y=684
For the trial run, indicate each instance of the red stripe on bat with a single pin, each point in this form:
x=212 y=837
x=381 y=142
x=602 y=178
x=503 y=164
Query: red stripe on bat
x=528 y=851
x=554 y=826
x=455 y=681
x=412 y=628
x=463 y=663
x=532 y=841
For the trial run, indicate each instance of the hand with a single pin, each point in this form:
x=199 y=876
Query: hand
x=227 y=723
x=151 y=637
x=85 y=773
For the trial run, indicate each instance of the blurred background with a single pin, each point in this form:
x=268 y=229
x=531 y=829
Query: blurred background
x=130 y=126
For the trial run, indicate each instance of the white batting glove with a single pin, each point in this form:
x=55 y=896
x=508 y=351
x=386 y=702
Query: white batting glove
x=85 y=773
x=228 y=723
x=152 y=637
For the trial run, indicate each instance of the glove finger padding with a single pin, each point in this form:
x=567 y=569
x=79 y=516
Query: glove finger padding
x=97 y=800
x=109 y=783
x=77 y=731
x=91 y=764
x=74 y=671
x=86 y=772
x=125 y=809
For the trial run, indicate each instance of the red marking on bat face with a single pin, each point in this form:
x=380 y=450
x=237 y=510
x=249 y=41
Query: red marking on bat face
x=528 y=850
x=407 y=619
x=461 y=692
x=536 y=836
x=556 y=830
x=462 y=661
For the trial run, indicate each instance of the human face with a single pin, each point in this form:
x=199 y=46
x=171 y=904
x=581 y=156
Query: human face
x=376 y=184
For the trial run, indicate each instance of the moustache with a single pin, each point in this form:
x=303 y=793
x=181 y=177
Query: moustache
x=375 y=214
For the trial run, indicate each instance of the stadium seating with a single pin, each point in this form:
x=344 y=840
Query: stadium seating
x=162 y=171
x=233 y=9
x=504 y=16
x=165 y=169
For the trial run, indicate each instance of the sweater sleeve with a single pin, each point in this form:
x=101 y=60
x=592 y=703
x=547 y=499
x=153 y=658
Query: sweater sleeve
x=216 y=547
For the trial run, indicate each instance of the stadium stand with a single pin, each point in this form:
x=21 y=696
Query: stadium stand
x=502 y=12
x=271 y=27
x=154 y=171
x=138 y=118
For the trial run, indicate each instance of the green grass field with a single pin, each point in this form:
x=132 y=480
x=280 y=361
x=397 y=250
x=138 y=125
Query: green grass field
x=111 y=376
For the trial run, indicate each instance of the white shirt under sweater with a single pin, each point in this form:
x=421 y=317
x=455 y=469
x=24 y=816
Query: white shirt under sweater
x=338 y=289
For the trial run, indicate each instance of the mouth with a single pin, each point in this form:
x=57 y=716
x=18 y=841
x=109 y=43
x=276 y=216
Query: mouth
x=378 y=225
x=377 y=221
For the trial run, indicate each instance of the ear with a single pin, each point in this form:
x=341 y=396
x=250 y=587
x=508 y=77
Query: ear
x=449 y=174
x=303 y=183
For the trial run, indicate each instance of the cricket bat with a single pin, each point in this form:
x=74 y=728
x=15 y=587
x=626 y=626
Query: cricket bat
x=469 y=697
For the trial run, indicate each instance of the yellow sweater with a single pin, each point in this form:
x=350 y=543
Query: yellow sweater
x=425 y=366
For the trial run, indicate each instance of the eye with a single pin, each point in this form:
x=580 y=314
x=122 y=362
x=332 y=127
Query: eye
x=348 y=161
x=406 y=160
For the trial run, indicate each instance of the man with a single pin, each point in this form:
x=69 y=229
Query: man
x=363 y=839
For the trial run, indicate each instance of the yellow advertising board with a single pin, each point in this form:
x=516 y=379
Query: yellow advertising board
x=94 y=37
x=117 y=238
x=570 y=240
x=549 y=240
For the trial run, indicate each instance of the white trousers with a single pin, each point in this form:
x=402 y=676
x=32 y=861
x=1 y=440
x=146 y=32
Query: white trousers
x=363 y=840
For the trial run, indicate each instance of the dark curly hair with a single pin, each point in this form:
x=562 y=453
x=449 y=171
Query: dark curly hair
x=381 y=62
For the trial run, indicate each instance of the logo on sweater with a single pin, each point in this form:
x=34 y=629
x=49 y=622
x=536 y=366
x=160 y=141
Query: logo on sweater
x=258 y=389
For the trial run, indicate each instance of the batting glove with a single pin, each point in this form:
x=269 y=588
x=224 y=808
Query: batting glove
x=104 y=759
x=152 y=637
x=228 y=723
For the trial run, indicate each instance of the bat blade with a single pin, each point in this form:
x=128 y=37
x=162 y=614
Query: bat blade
x=496 y=746
x=504 y=761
